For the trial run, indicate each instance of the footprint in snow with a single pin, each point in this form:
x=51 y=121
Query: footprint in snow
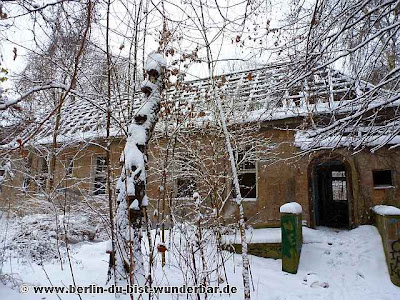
x=314 y=281
x=360 y=275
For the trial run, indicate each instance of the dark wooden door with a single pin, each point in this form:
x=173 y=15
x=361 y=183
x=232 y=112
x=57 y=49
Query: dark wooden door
x=332 y=201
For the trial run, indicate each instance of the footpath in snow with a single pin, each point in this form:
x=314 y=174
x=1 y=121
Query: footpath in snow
x=334 y=264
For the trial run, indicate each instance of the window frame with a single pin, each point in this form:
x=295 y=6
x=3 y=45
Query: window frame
x=95 y=175
x=27 y=176
x=342 y=180
x=246 y=171
x=176 y=188
x=43 y=174
x=69 y=167
x=3 y=175
x=182 y=166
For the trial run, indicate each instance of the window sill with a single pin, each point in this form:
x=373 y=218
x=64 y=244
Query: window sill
x=246 y=199
x=384 y=187
x=182 y=198
x=99 y=195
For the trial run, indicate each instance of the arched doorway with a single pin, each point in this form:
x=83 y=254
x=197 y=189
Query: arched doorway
x=331 y=194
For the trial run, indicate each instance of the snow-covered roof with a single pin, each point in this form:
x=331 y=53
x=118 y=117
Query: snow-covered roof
x=253 y=95
x=373 y=137
x=82 y=119
x=267 y=93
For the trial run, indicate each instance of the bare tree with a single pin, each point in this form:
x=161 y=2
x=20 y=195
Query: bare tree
x=360 y=38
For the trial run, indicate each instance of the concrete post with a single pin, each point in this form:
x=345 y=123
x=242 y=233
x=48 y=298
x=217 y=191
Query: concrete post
x=292 y=236
x=388 y=223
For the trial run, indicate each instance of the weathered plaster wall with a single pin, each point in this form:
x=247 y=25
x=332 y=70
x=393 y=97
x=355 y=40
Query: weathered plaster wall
x=284 y=180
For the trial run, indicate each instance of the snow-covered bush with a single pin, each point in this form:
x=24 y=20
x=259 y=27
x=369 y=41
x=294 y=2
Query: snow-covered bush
x=44 y=236
x=46 y=229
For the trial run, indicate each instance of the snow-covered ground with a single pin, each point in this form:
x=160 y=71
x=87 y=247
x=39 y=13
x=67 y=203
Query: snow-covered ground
x=335 y=264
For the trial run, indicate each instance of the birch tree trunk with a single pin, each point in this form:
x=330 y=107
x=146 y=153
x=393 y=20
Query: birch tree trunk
x=132 y=198
x=108 y=146
x=239 y=199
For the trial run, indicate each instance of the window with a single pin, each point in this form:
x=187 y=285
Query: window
x=247 y=174
x=185 y=187
x=26 y=183
x=185 y=183
x=5 y=170
x=43 y=174
x=2 y=176
x=339 y=186
x=27 y=176
x=382 y=178
x=100 y=176
x=69 y=166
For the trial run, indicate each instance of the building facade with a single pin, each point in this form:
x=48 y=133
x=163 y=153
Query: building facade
x=336 y=187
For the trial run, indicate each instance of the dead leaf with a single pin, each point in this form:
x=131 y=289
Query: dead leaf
x=3 y=15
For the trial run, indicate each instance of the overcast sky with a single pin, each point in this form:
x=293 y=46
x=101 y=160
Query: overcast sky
x=181 y=20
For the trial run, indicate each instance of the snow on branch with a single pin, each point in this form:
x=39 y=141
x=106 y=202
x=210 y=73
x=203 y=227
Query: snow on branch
x=6 y=102
x=34 y=6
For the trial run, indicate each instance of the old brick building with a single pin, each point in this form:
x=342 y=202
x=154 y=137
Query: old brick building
x=335 y=187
